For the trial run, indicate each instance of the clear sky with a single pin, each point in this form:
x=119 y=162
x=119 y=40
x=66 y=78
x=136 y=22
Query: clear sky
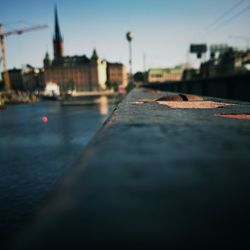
x=163 y=29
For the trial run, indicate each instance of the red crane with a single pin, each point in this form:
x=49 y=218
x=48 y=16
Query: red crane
x=6 y=78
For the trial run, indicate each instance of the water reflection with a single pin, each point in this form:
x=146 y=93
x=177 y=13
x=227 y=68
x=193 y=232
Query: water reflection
x=35 y=155
x=103 y=105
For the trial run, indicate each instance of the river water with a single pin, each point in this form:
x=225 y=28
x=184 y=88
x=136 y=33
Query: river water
x=35 y=155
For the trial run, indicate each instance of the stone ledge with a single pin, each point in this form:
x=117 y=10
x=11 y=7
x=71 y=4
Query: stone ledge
x=154 y=177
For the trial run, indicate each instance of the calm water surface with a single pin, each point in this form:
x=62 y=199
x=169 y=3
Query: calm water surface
x=34 y=156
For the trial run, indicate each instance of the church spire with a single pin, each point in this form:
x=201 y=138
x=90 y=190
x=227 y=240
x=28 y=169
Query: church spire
x=57 y=36
x=58 y=40
x=94 y=55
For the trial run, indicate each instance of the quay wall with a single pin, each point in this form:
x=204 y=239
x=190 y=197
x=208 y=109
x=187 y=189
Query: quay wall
x=155 y=177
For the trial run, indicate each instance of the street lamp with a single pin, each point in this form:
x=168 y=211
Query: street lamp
x=130 y=37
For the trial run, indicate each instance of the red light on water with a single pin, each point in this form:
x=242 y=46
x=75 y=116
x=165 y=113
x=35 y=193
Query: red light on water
x=44 y=119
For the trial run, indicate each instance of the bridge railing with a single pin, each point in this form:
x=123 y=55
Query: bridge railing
x=236 y=87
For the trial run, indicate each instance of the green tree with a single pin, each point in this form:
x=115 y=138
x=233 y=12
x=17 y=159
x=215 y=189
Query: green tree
x=115 y=86
x=108 y=84
x=130 y=86
x=112 y=85
x=139 y=77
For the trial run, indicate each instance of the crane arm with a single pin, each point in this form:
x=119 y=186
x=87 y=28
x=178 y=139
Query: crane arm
x=2 y=48
x=21 y=31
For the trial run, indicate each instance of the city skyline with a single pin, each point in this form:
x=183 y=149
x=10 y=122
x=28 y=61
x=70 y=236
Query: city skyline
x=163 y=30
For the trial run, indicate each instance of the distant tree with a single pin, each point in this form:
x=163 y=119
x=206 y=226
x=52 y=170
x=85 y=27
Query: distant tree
x=130 y=86
x=116 y=86
x=108 y=84
x=112 y=85
x=139 y=77
x=189 y=74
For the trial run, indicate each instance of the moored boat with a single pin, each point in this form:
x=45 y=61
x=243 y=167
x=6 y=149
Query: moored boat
x=51 y=92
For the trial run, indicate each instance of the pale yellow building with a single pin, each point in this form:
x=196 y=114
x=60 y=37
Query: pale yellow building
x=164 y=74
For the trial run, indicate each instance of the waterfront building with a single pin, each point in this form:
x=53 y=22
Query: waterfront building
x=116 y=73
x=79 y=73
x=28 y=78
x=33 y=78
x=16 y=78
x=76 y=72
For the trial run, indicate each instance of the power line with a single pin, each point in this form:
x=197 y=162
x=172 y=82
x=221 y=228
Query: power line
x=216 y=24
x=233 y=17
x=226 y=13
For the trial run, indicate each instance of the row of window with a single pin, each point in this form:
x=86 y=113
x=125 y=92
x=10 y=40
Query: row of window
x=67 y=78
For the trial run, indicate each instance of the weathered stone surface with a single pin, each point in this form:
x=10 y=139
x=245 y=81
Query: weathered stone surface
x=154 y=178
x=194 y=104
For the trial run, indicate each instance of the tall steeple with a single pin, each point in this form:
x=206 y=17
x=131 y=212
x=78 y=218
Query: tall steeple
x=94 y=55
x=57 y=40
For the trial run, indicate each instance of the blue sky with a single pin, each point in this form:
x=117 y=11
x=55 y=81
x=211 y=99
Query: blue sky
x=163 y=29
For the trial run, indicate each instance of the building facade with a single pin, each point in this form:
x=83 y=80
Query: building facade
x=228 y=62
x=164 y=74
x=26 y=79
x=78 y=73
x=116 y=73
x=33 y=78
x=16 y=78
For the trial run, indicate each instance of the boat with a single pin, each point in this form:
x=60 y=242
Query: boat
x=51 y=92
x=91 y=98
x=50 y=98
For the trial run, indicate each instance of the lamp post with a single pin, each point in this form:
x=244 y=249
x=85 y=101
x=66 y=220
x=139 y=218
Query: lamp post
x=130 y=37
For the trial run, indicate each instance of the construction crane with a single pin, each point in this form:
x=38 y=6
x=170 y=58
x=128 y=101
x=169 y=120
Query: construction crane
x=3 y=34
